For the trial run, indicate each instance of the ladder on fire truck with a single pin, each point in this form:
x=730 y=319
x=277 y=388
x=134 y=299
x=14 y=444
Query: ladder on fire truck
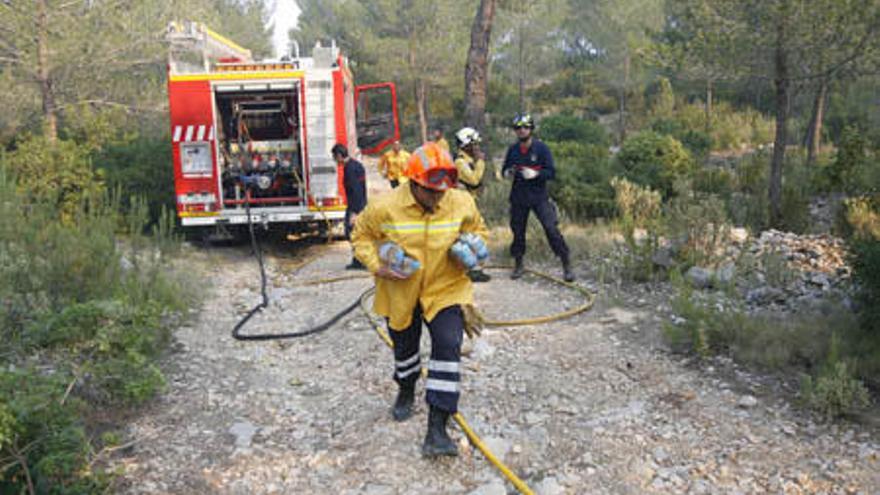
x=188 y=39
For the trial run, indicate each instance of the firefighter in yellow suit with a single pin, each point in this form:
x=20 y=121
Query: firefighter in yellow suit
x=424 y=219
x=471 y=165
x=392 y=163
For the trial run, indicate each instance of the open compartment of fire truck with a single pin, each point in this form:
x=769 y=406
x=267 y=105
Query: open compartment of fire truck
x=260 y=145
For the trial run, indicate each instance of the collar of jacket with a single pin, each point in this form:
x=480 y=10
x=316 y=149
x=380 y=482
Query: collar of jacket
x=407 y=200
x=464 y=154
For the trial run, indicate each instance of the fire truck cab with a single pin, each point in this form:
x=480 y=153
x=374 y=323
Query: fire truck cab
x=256 y=136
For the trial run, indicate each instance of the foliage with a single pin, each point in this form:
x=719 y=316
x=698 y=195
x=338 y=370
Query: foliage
x=655 y=161
x=847 y=169
x=582 y=187
x=640 y=220
x=93 y=309
x=58 y=172
x=835 y=392
x=140 y=168
x=567 y=127
x=699 y=226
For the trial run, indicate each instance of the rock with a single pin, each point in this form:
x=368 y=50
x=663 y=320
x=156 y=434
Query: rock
x=663 y=258
x=244 y=433
x=549 y=486
x=494 y=488
x=765 y=295
x=498 y=446
x=739 y=235
x=747 y=402
x=726 y=273
x=660 y=455
x=698 y=277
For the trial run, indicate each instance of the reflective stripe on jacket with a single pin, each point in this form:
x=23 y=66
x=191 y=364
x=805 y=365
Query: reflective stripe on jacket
x=441 y=281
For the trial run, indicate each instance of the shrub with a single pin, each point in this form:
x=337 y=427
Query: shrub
x=835 y=392
x=566 y=127
x=57 y=172
x=639 y=207
x=655 y=160
x=582 y=187
x=715 y=180
x=699 y=225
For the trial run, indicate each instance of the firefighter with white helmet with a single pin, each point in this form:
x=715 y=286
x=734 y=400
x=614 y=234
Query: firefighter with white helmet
x=471 y=165
x=424 y=220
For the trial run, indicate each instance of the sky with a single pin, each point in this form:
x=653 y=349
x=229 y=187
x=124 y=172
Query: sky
x=284 y=17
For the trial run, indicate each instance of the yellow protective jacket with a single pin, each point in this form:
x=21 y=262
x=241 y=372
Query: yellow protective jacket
x=441 y=281
x=470 y=171
x=443 y=143
x=392 y=164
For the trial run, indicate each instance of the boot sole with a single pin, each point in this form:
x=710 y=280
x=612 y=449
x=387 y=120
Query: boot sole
x=431 y=452
x=401 y=417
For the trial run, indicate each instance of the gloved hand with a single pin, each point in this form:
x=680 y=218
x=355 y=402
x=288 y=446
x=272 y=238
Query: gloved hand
x=473 y=320
x=509 y=173
x=528 y=173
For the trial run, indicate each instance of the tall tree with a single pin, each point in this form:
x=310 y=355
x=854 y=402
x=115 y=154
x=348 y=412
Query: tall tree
x=476 y=72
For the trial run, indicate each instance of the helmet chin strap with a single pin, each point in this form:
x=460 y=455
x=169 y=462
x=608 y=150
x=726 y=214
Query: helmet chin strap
x=524 y=139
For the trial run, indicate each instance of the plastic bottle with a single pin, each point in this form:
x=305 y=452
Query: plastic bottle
x=464 y=254
x=391 y=253
x=395 y=257
x=477 y=245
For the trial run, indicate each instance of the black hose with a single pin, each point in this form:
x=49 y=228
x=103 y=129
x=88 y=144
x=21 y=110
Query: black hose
x=258 y=252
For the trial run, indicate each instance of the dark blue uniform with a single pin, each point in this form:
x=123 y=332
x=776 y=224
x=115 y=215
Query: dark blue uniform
x=529 y=195
x=354 y=179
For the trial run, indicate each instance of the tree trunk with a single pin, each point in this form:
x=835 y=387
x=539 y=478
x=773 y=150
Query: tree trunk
x=50 y=112
x=476 y=71
x=421 y=105
x=781 y=83
x=813 y=139
x=522 y=77
x=709 y=96
x=622 y=97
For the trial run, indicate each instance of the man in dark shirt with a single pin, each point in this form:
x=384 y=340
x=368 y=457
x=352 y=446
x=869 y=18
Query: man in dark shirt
x=530 y=164
x=354 y=179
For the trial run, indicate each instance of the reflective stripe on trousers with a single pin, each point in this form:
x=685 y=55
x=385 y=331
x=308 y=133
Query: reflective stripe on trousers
x=442 y=387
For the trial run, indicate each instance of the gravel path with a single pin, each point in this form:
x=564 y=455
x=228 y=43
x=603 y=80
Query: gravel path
x=592 y=404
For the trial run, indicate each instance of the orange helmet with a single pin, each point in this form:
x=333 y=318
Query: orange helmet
x=431 y=166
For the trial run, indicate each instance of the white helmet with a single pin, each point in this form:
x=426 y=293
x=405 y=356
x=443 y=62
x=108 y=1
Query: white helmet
x=466 y=136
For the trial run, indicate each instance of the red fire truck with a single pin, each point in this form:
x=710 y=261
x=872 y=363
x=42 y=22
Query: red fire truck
x=256 y=135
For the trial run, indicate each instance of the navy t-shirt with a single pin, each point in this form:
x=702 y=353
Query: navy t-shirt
x=355 y=182
x=536 y=157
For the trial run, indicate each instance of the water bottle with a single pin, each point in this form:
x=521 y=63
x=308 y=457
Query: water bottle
x=408 y=266
x=391 y=254
x=477 y=245
x=464 y=254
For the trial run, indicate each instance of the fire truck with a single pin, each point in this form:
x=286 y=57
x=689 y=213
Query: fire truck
x=255 y=136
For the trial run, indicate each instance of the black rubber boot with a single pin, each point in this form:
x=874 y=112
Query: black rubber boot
x=518 y=269
x=403 y=405
x=437 y=442
x=478 y=275
x=568 y=273
x=355 y=265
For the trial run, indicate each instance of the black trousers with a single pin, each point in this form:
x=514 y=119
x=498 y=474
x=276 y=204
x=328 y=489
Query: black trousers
x=546 y=213
x=394 y=183
x=444 y=368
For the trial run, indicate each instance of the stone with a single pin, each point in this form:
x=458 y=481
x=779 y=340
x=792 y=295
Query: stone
x=747 y=402
x=726 y=273
x=498 y=446
x=700 y=278
x=663 y=258
x=549 y=486
x=243 y=432
x=494 y=488
x=739 y=235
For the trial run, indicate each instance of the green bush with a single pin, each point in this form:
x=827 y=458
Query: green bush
x=582 y=187
x=91 y=299
x=696 y=141
x=140 y=168
x=655 y=160
x=836 y=391
x=58 y=173
x=700 y=226
x=566 y=127
x=715 y=180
